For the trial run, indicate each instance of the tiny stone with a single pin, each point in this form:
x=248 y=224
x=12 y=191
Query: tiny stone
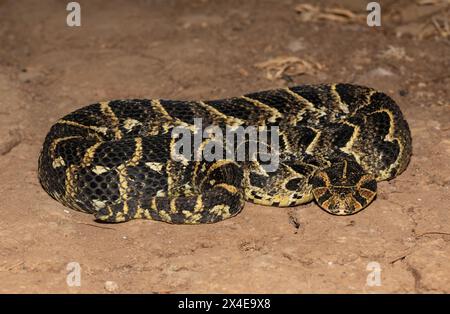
x=296 y=45
x=380 y=72
x=111 y=286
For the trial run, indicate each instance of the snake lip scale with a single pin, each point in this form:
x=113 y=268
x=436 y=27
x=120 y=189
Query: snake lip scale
x=336 y=141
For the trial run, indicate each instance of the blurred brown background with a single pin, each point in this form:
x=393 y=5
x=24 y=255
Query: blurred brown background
x=213 y=49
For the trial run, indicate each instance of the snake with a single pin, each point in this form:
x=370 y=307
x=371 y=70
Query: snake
x=332 y=143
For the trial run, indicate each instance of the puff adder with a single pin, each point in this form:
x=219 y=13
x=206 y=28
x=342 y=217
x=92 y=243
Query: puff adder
x=336 y=141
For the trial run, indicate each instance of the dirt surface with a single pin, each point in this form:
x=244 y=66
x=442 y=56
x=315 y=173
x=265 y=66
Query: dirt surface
x=213 y=49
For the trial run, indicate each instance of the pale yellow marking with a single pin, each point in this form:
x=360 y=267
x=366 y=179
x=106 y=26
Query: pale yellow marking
x=137 y=155
x=109 y=113
x=69 y=184
x=153 y=204
x=194 y=175
x=105 y=217
x=58 y=162
x=325 y=177
x=164 y=216
x=348 y=146
x=274 y=114
x=312 y=145
x=129 y=124
x=369 y=96
x=139 y=212
x=214 y=111
x=155 y=166
x=188 y=189
x=343 y=106
x=156 y=105
x=169 y=176
x=344 y=170
x=89 y=155
x=160 y=193
x=186 y=213
x=221 y=210
x=198 y=204
x=173 y=205
x=301 y=99
x=308 y=106
x=286 y=141
x=97 y=129
x=125 y=208
x=147 y=214
x=193 y=218
x=230 y=188
x=120 y=215
x=98 y=204
x=219 y=164
x=59 y=140
x=100 y=169
x=123 y=186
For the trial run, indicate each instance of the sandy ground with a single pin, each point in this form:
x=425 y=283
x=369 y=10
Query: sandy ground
x=212 y=49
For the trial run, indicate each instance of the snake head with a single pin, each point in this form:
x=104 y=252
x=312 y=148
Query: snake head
x=343 y=188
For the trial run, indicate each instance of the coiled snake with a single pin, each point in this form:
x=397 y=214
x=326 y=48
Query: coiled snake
x=114 y=159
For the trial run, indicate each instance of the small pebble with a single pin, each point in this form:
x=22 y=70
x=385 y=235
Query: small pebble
x=111 y=286
x=380 y=72
x=296 y=45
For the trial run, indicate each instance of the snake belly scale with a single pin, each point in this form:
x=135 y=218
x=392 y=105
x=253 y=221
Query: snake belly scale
x=336 y=141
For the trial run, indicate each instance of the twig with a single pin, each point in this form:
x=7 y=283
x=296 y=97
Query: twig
x=87 y=224
x=432 y=233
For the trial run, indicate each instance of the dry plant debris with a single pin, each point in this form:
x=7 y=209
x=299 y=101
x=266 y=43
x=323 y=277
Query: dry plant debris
x=397 y=53
x=279 y=67
x=310 y=12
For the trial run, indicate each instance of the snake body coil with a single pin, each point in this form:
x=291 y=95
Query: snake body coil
x=114 y=159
